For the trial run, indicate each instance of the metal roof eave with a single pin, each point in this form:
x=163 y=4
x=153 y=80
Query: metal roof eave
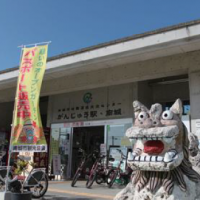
x=131 y=48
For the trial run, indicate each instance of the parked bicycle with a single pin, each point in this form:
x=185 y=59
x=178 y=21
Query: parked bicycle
x=81 y=167
x=3 y=175
x=96 y=168
x=99 y=172
x=103 y=171
x=117 y=173
x=35 y=181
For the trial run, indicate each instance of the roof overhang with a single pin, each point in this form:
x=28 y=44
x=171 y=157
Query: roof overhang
x=148 y=46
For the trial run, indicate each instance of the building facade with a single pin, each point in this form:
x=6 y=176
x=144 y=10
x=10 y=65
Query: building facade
x=87 y=95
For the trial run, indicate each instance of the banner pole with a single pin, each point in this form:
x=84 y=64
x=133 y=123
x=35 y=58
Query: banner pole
x=16 y=102
x=10 y=144
x=35 y=44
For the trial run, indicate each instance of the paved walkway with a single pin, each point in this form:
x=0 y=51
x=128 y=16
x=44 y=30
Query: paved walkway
x=64 y=191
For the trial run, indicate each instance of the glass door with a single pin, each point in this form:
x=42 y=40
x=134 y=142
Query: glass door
x=115 y=133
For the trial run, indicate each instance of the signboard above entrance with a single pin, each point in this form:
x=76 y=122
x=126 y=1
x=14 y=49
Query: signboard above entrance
x=102 y=103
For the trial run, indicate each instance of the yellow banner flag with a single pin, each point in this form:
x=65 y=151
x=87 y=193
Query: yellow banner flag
x=27 y=132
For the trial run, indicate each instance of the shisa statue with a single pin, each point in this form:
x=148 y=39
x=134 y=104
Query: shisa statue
x=194 y=152
x=160 y=157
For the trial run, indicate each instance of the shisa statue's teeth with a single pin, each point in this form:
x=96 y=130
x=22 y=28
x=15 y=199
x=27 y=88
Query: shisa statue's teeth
x=153 y=158
x=130 y=156
x=142 y=158
x=168 y=140
x=137 y=158
x=169 y=156
x=147 y=158
x=132 y=140
x=159 y=158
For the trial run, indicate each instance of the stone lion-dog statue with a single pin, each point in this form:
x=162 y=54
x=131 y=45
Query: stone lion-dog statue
x=160 y=157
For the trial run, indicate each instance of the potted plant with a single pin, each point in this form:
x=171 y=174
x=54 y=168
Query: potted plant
x=16 y=186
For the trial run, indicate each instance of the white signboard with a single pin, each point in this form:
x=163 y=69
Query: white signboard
x=56 y=165
x=103 y=149
x=186 y=121
x=197 y=124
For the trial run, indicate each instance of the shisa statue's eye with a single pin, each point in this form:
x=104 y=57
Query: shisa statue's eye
x=167 y=114
x=142 y=116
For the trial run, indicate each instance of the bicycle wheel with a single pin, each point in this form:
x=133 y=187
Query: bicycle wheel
x=75 y=178
x=3 y=174
x=112 y=175
x=99 y=179
x=2 y=185
x=91 y=179
x=39 y=189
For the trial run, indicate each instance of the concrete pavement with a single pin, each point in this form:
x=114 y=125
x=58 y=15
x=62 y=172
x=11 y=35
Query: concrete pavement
x=64 y=191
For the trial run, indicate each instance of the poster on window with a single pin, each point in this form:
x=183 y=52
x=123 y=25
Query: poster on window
x=56 y=164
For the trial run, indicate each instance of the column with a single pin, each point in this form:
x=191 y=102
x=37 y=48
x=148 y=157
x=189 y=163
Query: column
x=194 y=86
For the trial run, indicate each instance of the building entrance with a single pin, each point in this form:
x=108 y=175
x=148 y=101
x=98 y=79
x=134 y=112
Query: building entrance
x=87 y=138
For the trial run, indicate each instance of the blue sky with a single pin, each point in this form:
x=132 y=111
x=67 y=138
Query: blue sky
x=75 y=24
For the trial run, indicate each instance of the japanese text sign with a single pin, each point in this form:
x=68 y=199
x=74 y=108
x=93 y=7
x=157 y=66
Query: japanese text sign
x=27 y=131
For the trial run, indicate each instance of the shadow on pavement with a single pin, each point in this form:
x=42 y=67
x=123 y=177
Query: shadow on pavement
x=52 y=197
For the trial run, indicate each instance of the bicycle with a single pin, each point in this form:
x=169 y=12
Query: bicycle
x=3 y=175
x=36 y=181
x=103 y=172
x=98 y=172
x=79 y=171
x=117 y=173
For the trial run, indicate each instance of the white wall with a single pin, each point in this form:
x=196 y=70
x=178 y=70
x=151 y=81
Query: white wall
x=194 y=81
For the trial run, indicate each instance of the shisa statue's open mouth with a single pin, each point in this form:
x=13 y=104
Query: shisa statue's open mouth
x=154 y=148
